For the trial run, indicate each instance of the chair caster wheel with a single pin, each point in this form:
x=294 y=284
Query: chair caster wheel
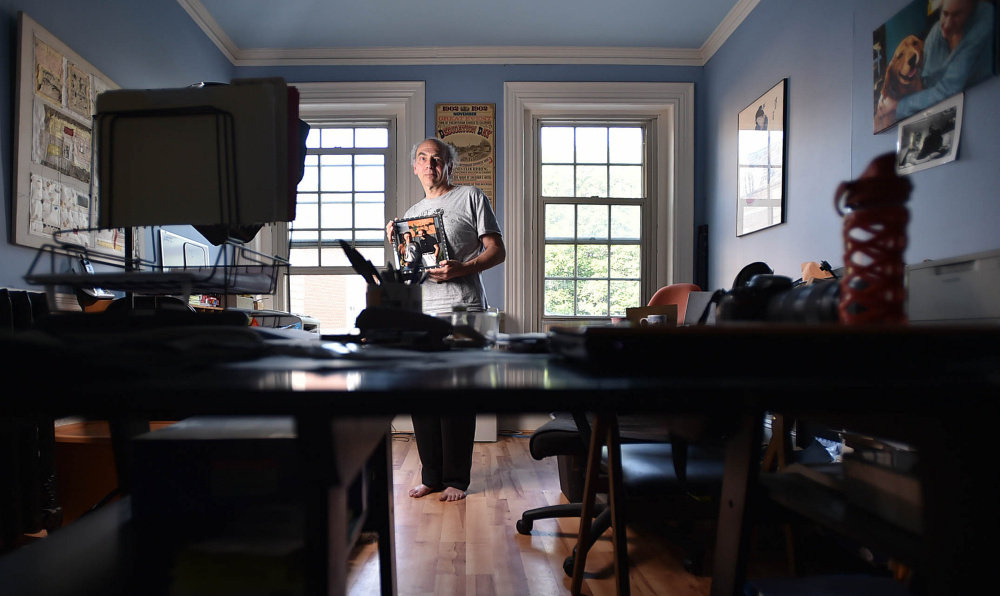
x=523 y=526
x=568 y=565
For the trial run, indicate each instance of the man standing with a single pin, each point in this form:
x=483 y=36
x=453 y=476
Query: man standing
x=474 y=244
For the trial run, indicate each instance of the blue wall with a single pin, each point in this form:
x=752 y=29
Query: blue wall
x=822 y=48
x=825 y=51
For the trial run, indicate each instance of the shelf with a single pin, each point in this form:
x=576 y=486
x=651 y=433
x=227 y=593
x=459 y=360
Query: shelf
x=830 y=508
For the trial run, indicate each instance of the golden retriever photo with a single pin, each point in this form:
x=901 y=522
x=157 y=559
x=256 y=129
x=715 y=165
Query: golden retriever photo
x=902 y=76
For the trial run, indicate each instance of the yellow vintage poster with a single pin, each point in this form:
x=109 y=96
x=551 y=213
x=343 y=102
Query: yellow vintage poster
x=471 y=128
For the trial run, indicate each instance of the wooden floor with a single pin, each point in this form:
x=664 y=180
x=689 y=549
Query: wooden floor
x=470 y=547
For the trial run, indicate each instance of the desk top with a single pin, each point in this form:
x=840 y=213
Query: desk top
x=232 y=370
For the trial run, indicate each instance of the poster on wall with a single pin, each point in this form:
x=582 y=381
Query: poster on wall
x=471 y=128
x=55 y=186
x=760 y=147
x=928 y=52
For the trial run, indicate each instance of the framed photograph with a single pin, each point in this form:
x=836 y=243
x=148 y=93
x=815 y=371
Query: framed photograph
x=930 y=138
x=917 y=62
x=761 y=147
x=56 y=189
x=419 y=243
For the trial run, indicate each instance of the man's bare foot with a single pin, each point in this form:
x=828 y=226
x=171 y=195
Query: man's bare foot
x=420 y=490
x=452 y=494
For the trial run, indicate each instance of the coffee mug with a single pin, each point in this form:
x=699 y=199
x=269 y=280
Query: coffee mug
x=653 y=320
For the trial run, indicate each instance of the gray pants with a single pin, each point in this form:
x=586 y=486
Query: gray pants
x=445 y=445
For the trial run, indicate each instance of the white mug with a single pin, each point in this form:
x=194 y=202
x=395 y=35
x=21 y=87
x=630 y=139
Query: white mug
x=653 y=320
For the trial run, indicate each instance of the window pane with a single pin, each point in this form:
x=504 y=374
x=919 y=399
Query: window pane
x=332 y=235
x=625 y=145
x=334 y=178
x=312 y=140
x=337 y=215
x=592 y=298
x=592 y=260
x=557 y=144
x=626 y=182
x=378 y=234
x=310 y=175
x=369 y=215
x=592 y=145
x=335 y=300
x=376 y=138
x=370 y=178
x=306 y=216
x=626 y=261
x=338 y=197
x=557 y=181
x=338 y=137
x=593 y=221
x=370 y=197
x=297 y=236
x=624 y=294
x=559 y=260
x=303 y=257
x=626 y=222
x=591 y=181
x=559 y=221
x=559 y=297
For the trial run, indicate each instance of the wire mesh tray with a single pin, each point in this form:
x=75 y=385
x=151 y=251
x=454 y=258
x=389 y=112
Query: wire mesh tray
x=237 y=270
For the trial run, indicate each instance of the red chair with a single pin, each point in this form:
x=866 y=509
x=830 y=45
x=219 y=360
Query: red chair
x=674 y=294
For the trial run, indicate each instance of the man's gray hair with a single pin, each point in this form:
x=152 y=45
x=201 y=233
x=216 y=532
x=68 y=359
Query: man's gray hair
x=447 y=150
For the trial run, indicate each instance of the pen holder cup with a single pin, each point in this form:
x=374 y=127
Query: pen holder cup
x=396 y=295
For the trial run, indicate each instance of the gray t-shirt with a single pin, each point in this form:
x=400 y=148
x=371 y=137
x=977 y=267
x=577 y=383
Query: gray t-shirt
x=467 y=217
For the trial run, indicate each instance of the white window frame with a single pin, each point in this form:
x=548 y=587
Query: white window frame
x=671 y=104
x=401 y=101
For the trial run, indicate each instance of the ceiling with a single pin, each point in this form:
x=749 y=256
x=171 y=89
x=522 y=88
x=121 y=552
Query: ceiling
x=295 y=32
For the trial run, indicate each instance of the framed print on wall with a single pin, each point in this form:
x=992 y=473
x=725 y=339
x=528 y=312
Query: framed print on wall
x=930 y=138
x=929 y=51
x=55 y=183
x=761 y=147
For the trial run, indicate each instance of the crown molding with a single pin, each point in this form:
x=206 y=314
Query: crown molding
x=385 y=55
x=733 y=19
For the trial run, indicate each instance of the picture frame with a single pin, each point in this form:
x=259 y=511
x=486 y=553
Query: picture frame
x=56 y=189
x=762 y=145
x=425 y=235
x=931 y=137
x=912 y=67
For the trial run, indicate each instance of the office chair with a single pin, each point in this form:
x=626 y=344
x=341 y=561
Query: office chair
x=654 y=461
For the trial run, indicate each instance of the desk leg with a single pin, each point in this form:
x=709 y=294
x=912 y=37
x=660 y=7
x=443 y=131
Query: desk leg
x=325 y=538
x=597 y=435
x=732 y=540
x=616 y=496
x=382 y=516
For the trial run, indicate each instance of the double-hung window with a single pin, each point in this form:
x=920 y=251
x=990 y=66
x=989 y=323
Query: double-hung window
x=342 y=196
x=593 y=184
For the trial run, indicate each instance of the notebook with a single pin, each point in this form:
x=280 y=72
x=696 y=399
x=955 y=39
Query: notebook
x=696 y=304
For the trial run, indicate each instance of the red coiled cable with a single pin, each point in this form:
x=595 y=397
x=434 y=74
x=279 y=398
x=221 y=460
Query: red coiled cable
x=872 y=288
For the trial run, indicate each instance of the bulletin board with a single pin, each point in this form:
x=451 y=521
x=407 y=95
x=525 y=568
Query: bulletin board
x=55 y=187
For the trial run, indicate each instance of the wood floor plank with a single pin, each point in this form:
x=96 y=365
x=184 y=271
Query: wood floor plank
x=470 y=547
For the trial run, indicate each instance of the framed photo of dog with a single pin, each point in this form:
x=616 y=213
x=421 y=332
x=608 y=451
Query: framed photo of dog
x=761 y=146
x=930 y=51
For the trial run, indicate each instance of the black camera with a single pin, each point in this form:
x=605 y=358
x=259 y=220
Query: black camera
x=776 y=298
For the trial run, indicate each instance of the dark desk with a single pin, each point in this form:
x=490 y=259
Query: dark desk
x=880 y=382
